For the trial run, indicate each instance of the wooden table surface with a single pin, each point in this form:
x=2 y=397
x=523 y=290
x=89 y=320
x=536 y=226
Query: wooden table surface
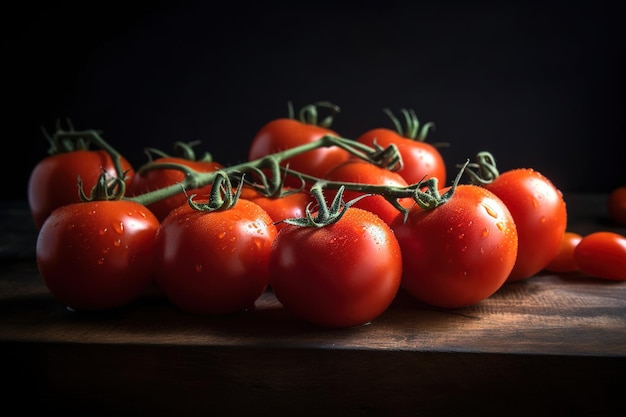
x=549 y=345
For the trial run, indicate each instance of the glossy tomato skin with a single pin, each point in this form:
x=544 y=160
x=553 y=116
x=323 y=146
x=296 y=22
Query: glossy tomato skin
x=281 y=134
x=341 y=275
x=460 y=252
x=292 y=205
x=97 y=255
x=53 y=181
x=214 y=262
x=564 y=260
x=616 y=205
x=361 y=171
x=540 y=215
x=161 y=178
x=421 y=159
x=602 y=255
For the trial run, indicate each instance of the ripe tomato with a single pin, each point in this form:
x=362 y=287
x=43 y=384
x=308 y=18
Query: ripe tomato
x=361 y=171
x=616 y=205
x=460 y=252
x=564 y=260
x=290 y=205
x=421 y=159
x=214 y=262
x=340 y=275
x=540 y=217
x=155 y=179
x=602 y=255
x=286 y=133
x=53 y=181
x=97 y=255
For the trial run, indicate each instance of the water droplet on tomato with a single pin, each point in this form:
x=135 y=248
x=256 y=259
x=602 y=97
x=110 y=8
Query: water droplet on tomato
x=119 y=228
x=70 y=226
x=500 y=226
x=198 y=267
x=461 y=236
x=490 y=211
x=117 y=243
x=102 y=231
x=485 y=232
x=101 y=261
x=221 y=235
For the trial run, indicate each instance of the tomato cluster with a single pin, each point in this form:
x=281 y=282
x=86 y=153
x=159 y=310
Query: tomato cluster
x=334 y=227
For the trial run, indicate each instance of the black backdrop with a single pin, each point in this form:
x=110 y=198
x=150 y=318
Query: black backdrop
x=539 y=85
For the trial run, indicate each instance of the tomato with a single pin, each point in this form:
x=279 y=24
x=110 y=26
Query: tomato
x=540 y=217
x=53 y=181
x=616 y=205
x=460 y=252
x=286 y=133
x=564 y=260
x=155 y=179
x=341 y=275
x=291 y=204
x=421 y=159
x=361 y=171
x=214 y=262
x=602 y=255
x=97 y=255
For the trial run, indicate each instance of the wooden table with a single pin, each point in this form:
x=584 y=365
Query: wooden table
x=550 y=345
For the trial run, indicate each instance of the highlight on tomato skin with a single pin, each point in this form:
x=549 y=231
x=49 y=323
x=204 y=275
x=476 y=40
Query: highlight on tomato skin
x=564 y=260
x=602 y=255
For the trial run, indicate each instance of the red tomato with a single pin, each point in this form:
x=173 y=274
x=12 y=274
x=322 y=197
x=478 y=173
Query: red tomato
x=155 y=179
x=361 y=171
x=616 y=205
x=421 y=159
x=564 y=260
x=602 y=255
x=460 y=252
x=286 y=133
x=540 y=217
x=292 y=204
x=340 y=275
x=97 y=255
x=214 y=262
x=54 y=180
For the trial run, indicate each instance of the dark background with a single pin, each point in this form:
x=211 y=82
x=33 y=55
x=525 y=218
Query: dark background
x=539 y=85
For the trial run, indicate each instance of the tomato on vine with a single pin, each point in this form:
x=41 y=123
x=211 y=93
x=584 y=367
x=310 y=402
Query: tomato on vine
x=361 y=171
x=602 y=255
x=213 y=254
x=337 y=267
x=286 y=133
x=53 y=182
x=537 y=206
x=421 y=159
x=459 y=245
x=288 y=204
x=98 y=254
x=155 y=175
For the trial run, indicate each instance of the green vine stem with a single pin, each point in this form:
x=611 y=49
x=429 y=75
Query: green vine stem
x=484 y=170
x=194 y=179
